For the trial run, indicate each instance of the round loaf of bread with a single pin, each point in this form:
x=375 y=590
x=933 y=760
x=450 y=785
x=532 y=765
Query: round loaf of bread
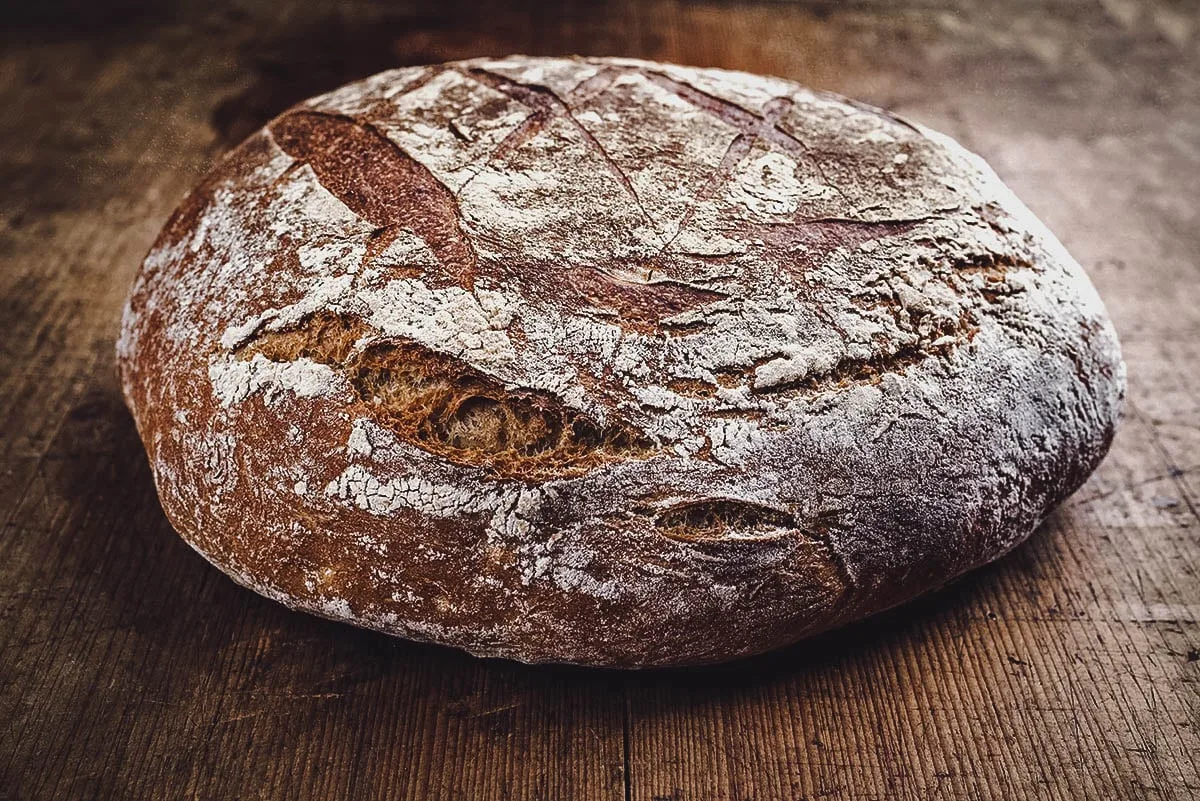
x=609 y=362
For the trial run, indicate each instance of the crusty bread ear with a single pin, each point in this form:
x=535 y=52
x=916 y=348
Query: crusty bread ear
x=609 y=362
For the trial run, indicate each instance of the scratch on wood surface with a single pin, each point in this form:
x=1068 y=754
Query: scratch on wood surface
x=1173 y=472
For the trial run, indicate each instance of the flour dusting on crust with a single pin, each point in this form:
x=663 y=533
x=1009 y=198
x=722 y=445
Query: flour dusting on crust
x=779 y=360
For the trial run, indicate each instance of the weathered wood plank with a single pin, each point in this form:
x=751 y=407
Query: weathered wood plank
x=129 y=668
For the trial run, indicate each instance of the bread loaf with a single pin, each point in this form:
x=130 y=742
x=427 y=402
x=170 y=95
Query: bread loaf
x=609 y=362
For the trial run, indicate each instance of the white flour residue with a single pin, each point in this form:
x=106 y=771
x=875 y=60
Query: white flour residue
x=767 y=186
x=448 y=319
x=734 y=440
x=305 y=205
x=360 y=438
x=852 y=313
x=514 y=518
x=359 y=486
x=340 y=255
x=234 y=380
x=795 y=364
x=323 y=293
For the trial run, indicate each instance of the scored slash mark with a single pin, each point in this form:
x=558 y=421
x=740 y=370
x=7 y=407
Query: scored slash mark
x=638 y=307
x=545 y=104
x=596 y=84
x=764 y=126
x=751 y=126
x=534 y=123
x=427 y=74
x=380 y=183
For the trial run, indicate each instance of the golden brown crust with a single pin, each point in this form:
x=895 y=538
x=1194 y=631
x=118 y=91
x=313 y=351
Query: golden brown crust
x=609 y=362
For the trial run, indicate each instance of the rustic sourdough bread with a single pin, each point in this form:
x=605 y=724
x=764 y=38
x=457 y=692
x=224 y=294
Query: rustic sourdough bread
x=609 y=362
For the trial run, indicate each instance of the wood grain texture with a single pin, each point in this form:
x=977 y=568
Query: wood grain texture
x=131 y=669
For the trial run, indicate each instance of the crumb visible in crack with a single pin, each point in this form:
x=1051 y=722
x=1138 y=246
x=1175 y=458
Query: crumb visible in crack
x=732 y=377
x=725 y=520
x=677 y=329
x=324 y=337
x=993 y=265
x=442 y=405
x=715 y=519
x=692 y=387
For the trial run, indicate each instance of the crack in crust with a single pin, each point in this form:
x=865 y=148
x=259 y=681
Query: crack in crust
x=828 y=233
x=379 y=182
x=446 y=407
x=763 y=125
x=751 y=127
x=727 y=521
x=943 y=335
x=545 y=104
x=853 y=372
x=737 y=152
x=720 y=518
x=994 y=267
x=640 y=307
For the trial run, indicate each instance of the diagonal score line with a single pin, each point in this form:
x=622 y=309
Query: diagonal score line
x=529 y=128
x=746 y=122
x=426 y=75
x=534 y=123
x=752 y=127
x=734 y=155
x=526 y=130
x=597 y=84
x=546 y=103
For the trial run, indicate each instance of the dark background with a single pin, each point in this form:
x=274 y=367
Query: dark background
x=129 y=668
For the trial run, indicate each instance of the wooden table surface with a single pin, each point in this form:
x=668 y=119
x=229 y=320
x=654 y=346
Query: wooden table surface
x=131 y=669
